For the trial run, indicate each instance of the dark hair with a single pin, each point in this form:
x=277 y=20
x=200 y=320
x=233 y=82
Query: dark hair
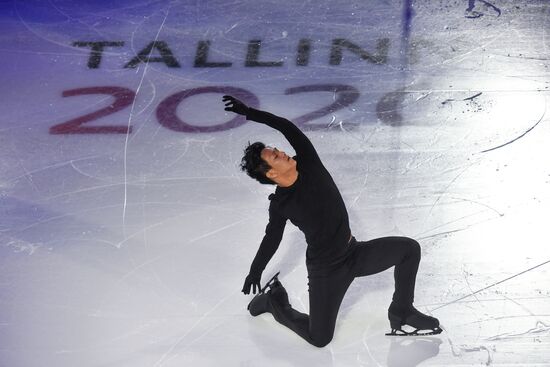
x=253 y=164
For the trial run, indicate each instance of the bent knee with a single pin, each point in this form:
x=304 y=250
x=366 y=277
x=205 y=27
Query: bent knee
x=413 y=247
x=321 y=342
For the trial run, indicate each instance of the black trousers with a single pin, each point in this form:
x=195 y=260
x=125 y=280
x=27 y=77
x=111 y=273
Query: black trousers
x=327 y=289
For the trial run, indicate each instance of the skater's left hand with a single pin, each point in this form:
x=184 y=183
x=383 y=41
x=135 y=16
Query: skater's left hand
x=234 y=105
x=251 y=281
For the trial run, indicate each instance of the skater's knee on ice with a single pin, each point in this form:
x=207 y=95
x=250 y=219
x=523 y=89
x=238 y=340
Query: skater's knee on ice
x=322 y=341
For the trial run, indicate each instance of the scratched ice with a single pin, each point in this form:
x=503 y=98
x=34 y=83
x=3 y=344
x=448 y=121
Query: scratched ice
x=127 y=228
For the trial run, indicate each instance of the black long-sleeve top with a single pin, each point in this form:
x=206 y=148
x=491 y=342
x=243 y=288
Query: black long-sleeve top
x=313 y=204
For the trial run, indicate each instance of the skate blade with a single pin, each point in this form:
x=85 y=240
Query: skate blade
x=269 y=282
x=418 y=332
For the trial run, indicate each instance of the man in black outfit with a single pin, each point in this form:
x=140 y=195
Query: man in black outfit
x=308 y=197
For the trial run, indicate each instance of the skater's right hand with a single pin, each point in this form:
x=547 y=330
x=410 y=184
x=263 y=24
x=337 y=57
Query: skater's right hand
x=251 y=281
x=234 y=105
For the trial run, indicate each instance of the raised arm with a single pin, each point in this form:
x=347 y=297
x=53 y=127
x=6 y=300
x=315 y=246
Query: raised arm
x=269 y=245
x=299 y=141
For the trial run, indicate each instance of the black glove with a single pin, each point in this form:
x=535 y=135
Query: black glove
x=251 y=281
x=234 y=105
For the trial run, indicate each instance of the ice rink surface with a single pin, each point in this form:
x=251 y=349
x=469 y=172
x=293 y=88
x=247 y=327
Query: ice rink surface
x=127 y=228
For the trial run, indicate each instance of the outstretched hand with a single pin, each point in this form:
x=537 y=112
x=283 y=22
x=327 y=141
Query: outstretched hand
x=251 y=281
x=234 y=105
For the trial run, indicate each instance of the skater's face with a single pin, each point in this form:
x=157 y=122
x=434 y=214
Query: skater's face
x=281 y=164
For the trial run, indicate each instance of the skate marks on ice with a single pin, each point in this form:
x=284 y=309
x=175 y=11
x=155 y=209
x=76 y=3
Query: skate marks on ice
x=127 y=137
x=471 y=98
x=19 y=246
x=490 y=286
x=497 y=346
x=473 y=12
x=458 y=351
x=520 y=136
x=390 y=108
x=541 y=329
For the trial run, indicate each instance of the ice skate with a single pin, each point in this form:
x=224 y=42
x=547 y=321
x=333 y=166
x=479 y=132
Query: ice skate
x=263 y=301
x=423 y=324
x=259 y=304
